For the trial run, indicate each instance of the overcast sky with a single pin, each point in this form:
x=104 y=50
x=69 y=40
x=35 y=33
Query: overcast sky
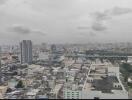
x=65 y=21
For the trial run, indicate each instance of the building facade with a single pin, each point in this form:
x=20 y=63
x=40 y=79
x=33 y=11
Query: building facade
x=26 y=51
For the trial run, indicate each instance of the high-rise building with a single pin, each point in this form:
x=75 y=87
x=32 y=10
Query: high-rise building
x=0 y=49
x=0 y=66
x=26 y=51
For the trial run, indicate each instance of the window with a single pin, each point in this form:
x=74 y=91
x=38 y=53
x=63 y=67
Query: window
x=77 y=93
x=68 y=93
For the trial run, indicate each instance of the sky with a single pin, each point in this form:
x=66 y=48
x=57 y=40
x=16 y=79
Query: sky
x=65 y=21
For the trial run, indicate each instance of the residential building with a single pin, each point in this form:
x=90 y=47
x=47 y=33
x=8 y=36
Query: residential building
x=26 y=51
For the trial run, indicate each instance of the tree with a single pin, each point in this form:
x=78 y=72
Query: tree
x=20 y=84
x=8 y=90
x=125 y=78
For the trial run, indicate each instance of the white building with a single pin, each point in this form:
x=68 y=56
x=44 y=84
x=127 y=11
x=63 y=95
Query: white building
x=86 y=94
x=129 y=60
x=100 y=84
x=32 y=94
x=72 y=94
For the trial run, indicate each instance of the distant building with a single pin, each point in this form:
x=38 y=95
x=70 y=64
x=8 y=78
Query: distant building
x=26 y=51
x=129 y=60
x=53 y=48
x=0 y=49
x=43 y=47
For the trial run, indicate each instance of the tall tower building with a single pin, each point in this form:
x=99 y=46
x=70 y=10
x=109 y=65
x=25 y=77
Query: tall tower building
x=0 y=49
x=0 y=67
x=26 y=51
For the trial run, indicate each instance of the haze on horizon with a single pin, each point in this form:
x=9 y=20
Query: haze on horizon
x=65 y=21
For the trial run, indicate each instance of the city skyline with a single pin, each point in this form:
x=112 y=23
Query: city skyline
x=65 y=21
x=65 y=49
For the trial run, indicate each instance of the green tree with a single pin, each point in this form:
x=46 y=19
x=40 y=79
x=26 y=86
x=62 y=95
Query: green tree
x=20 y=84
x=8 y=90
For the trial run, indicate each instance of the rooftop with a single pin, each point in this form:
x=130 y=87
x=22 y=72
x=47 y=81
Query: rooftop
x=105 y=84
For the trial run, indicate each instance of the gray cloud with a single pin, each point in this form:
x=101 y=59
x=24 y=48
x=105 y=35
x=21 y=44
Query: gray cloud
x=101 y=17
x=98 y=23
x=98 y=16
x=120 y=11
x=20 y=29
x=98 y=26
x=23 y=30
x=3 y=2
